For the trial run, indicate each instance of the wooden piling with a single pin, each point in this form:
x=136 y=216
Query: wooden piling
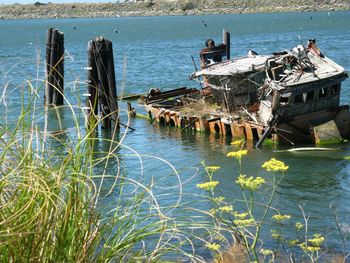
x=103 y=91
x=48 y=66
x=226 y=41
x=102 y=85
x=92 y=86
x=52 y=62
x=131 y=110
x=58 y=93
x=203 y=124
x=54 y=68
x=112 y=91
x=248 y=131
x=237 y=130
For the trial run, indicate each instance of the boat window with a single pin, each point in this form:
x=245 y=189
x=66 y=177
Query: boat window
x=335 y=89
x=298 y=98
x=309 y=96
x=323 y=93
x=284 y=100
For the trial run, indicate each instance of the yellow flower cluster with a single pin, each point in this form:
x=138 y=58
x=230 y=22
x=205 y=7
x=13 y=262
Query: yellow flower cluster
x=226 y=208
x=276 y=235
x=266 y=252
x=275 y=166
x=208 y=185
x=293 y=242
x=213 y=211
x=237 y=154
x=317 y=240
x=212 y=168
x=240 y=216
x=298 y=226
x=250 y=183
x=309 y=248
x=219 y=199
x=238 y=142
x=280 y=218
x=213 y=246
x=244 y=222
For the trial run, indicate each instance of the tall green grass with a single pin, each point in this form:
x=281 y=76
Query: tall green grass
x=54 y=186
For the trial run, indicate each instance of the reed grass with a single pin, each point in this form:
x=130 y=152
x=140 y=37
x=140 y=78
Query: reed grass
x=54 y=187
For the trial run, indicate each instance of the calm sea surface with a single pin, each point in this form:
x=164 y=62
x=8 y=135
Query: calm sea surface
x=156 y=52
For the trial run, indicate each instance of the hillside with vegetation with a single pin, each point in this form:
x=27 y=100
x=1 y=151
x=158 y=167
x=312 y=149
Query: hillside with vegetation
x=164 y=8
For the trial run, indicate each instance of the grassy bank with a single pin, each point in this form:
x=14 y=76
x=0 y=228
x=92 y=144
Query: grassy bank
x=165 y=7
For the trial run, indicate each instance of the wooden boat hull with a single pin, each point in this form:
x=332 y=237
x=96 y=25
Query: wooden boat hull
x=299 y=129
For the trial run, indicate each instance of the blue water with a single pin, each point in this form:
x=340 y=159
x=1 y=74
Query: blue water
x=156 y=52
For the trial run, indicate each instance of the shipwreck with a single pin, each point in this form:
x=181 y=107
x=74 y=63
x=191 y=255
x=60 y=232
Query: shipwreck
x=291 y=96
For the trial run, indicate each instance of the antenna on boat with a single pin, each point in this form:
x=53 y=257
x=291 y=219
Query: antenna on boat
x=307 y=56
x=224 y=83
x=196 y=69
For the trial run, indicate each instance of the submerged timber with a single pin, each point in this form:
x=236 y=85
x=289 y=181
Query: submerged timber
x=292 y=96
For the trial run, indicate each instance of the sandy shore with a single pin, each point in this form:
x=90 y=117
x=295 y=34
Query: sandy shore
x=165 y=7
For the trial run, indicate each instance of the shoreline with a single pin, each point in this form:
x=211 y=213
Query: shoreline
x=163 y=8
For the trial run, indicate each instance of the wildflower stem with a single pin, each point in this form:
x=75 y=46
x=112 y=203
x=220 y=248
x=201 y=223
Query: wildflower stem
x=251 y=202
x=258 y=228
x=240 y=165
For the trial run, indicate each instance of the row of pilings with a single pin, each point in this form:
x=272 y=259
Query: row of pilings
x=101 y=85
